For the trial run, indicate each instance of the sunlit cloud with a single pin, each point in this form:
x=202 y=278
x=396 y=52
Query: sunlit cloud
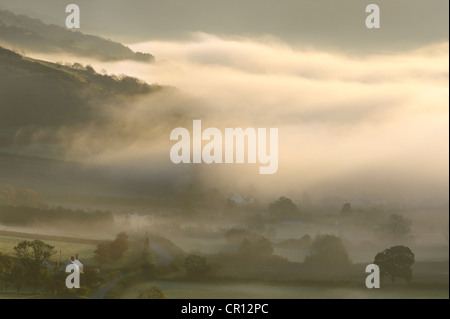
x=340 y=117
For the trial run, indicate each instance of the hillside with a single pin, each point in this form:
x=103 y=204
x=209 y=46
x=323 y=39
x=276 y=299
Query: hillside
x=43 y=104
x=35 y=92
x=24 y=33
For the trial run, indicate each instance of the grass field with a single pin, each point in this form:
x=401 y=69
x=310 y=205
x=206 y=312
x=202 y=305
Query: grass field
x=236 y=290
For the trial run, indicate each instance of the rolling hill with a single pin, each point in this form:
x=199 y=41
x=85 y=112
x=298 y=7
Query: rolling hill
x=24 y=33
x=35 y=92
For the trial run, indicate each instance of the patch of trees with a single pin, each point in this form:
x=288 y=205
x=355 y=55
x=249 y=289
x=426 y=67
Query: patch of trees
x=327 y=251
x=111 y=251
x=284 y=209
x=31 y=255
x=257 y=249
x=30 y=216
x=119 y=84
x=250 y=244
x=396 y=228
x=30 y=268
x=25 y=268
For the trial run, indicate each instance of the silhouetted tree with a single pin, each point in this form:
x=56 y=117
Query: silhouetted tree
x=395 y=262
x=283 y=208
x=327 y=250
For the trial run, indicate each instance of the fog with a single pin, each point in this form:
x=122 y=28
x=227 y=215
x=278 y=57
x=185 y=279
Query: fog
x=363 y=148
x=373 y=124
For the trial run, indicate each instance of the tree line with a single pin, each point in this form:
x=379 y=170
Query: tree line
x=28 y=216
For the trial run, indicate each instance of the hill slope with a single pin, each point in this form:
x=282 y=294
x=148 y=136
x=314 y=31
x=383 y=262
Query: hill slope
x=35 y=92
x=24 y=33
x=44 y=105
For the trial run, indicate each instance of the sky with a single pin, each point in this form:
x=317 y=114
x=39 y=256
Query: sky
x=358 y=110
x=326 y=24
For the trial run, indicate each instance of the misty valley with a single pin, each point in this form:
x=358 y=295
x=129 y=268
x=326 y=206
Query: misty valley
x=202 y=243
x=110 y=153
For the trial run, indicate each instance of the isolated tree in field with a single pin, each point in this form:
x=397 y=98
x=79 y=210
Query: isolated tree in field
x=102 y=253
x=283 y=208
x=6 y=266
x=396 y=228
x=327 y=250
x=119 y=246
x=196 y=266
x=395 y=262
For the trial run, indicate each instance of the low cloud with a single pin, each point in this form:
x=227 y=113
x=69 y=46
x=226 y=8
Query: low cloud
x=373 y=123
